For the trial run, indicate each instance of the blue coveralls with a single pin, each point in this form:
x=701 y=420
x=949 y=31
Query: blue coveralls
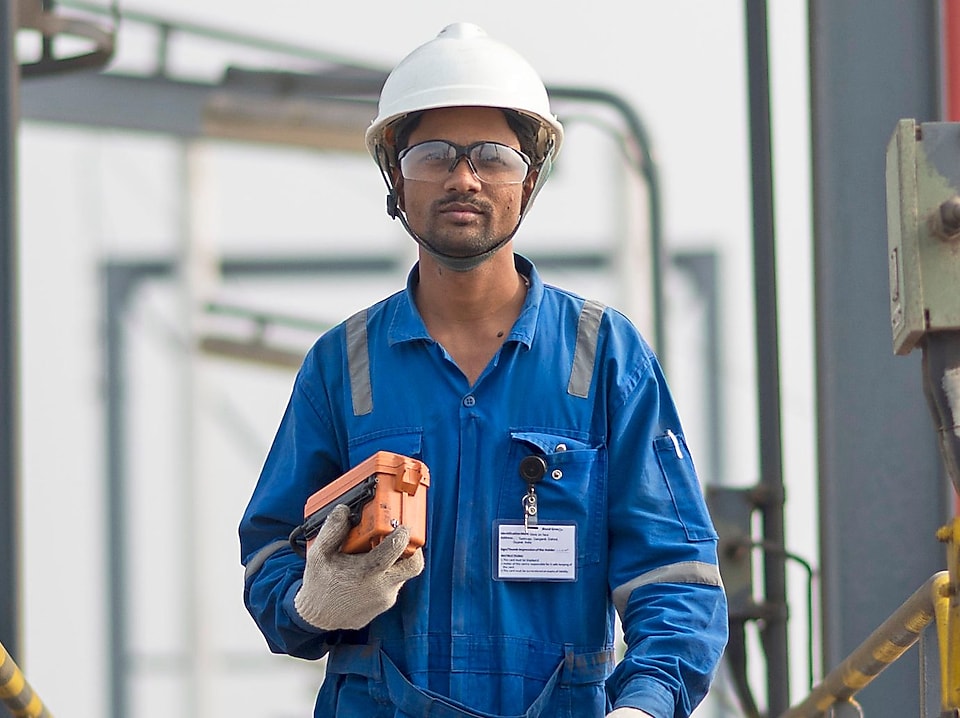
x=574 y=383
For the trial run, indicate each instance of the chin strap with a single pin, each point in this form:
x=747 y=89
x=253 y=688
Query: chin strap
x=393 y=206
x=457 y=263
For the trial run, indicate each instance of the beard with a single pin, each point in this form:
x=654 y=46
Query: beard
x=462 y=239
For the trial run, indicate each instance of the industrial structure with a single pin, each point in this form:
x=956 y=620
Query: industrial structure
x=885 y=94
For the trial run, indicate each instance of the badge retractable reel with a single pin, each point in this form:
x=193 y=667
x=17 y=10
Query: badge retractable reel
x=532 y=469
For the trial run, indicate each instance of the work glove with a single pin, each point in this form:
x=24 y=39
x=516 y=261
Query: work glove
x=629 y=713
x=347 y=591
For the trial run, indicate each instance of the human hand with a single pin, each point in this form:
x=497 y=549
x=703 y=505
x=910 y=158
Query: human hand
x=628 y=713
x=347 y=591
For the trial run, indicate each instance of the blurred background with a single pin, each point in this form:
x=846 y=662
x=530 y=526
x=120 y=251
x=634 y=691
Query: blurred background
x=187 y=204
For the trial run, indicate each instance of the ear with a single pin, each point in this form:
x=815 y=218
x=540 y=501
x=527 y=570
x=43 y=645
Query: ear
x=396 y=180
x=528 y=184
x=398 y=187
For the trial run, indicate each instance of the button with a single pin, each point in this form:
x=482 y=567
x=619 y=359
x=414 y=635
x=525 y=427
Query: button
x=469 y=400
x=532 y=468
x=556 y=475
x=561 y=447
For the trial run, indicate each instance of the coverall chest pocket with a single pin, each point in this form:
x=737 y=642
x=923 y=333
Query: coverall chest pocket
x=407 y=441
x=572 y=489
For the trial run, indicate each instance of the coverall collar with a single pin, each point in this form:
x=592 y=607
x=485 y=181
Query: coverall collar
x=407 y=324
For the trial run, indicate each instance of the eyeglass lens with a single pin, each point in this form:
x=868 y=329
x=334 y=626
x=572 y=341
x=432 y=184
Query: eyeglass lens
x=491 y=162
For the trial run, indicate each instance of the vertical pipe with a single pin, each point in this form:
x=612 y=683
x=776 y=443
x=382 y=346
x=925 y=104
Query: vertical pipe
x=951 y=59
x=649 y=170
x=198 y=277
x=950 y=62
x=774 y=633
x=9 y=343
x=117 y=282
x=121 y=282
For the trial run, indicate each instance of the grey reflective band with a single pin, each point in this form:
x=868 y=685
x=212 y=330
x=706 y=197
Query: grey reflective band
x=358 y=362
x=585 y=352
x=683 y=572
x=261 y=556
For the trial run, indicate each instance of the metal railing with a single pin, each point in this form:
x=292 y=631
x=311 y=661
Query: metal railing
x=885 y=645
x=938 y=598
x=15 y=693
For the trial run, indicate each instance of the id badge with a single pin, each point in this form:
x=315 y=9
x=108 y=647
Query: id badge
x=545 y=552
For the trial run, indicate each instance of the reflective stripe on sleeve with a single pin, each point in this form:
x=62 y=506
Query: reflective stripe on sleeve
x=358 y=362
x=684 y=572
x=585 y=351
x=261 y=556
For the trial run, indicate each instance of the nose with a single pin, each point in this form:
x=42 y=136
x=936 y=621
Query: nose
x=462 y=177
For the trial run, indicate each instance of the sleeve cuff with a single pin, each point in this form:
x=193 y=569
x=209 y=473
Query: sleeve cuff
x=644 y=697
x=291 y=610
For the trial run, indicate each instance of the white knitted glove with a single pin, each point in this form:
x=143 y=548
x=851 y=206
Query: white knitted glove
x=347 y=591
x=629 y=713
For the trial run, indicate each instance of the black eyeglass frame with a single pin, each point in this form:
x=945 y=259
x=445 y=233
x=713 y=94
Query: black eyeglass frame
x=463 y=152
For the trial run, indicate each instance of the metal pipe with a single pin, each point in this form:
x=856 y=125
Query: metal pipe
x=9 y=372
x=215 y=33
x=119 y=283
x=881 y=648
x=951 y=61
x=774 y=633
x=16 y=693
x=116 y=288
x=941 y=385
x=648 y=169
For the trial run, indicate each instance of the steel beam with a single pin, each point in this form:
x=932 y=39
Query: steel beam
x=773 y=633
x=9 y=340
x=96 y=100
x=883 y=493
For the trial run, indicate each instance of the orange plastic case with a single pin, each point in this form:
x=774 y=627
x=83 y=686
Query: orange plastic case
x=383 y=492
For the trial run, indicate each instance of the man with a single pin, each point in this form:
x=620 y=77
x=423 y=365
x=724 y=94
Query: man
x=561 y=490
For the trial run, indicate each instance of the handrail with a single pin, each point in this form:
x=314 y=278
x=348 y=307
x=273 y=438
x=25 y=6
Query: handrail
x=16 y=693
x=881 y=648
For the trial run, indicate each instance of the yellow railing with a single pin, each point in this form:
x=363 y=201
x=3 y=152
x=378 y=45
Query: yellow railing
x=938 y=598
x=15 y=693
x=885 y=645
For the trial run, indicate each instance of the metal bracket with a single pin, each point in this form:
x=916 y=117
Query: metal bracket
x=923 y=230
x=732 y=512
x=947 y=612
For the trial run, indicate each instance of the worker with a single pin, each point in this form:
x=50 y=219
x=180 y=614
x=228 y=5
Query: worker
x=562 y=491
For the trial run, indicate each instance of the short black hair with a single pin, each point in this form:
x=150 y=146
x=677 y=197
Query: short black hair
x=403 y=128
x=525 y=128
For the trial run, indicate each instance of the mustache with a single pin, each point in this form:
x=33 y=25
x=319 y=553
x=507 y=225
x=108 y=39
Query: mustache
x=463 y=199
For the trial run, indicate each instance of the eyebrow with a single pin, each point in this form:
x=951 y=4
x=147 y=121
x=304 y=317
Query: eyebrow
x=468 y=144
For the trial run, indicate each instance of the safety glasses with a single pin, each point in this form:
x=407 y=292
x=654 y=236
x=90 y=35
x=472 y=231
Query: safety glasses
x=490 y=162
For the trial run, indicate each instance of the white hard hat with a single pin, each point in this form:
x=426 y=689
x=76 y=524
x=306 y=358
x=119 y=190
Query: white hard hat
x=463 y=67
